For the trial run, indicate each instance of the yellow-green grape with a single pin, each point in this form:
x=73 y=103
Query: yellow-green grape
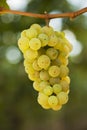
x=36 y=66
x=30 y=54
x=52 y=53
x=53 y=40
x=23 y=33
x=44 y=75
x=35 y=44
x=43 y=84
x=37 y=27
x=34 y=76
x=47 y=30
x=64 y=71
x=54 y=71
x=62 y=98
x=57 y=107
x=31 y=33
x=65 y=85
x=69 y=45
x=54 y=80
x=23 y=44
x=36 y=85
x=48 y=90
x=67 y=79
x=44 y=61
x=63 y=60
x=52 y=100
x=56 y=62
x=43 y=100
x=29 y=69
x=60 y=44
x=44 y=39
x=65 y=51
x=57 y=88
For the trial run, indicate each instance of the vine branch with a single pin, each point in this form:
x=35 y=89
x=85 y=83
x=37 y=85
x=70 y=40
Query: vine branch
x=70 y=15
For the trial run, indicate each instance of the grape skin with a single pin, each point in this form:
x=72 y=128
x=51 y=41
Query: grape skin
x=54 y=71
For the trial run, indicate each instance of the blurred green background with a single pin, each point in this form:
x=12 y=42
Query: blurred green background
x=19 y=109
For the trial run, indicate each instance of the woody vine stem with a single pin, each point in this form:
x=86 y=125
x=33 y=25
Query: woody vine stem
x=45 y=16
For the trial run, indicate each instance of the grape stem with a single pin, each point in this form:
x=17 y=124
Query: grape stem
x=46 y=16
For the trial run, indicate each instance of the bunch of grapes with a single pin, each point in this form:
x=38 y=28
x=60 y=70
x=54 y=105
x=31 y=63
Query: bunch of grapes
x=45 y=60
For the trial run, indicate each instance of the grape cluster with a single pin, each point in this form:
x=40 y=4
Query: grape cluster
x=45 y=60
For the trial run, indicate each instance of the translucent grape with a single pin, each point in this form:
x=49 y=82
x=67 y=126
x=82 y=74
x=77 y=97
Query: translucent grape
x=44 y=39
x=36 y=66
x=52 y=53
x=65 y=85
x=44 y=75
x=36 y=85
x=48 y=90
x=53 y=40
x=54 y=80
x=43 y=84
x=62 y=97
x=23 y=44
x=57 y=88
x=30 y=54
x=63 y=71
x=57 y=107
x=31 y=33
x=34 y=76
x=37 y=27
x=54 y=71
x=53 y=101
x=35 y=44
x=67 y=79
x=47 y=30
x=44 y=61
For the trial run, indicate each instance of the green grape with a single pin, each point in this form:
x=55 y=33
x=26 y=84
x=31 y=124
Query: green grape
x=44 y=75
x=48 y=90
x=52 y=53
x=57 y=107
x=44 y=39
x=31 y=33
x=36 y=85
x=57 y=88
x=23 y=44
x=47 y=30
x=67 y=79
x=64 y=71
x=62 y=98
x=63 y=60
x=54 y=71
x=23 y=33
x=60 y=44
x=36 y=66
x=53 y=101
x=43 y=100
x=54 y=80
x=43 y=84
x=29 y=69
x=34 y=76
x=44 y=61
x=53 y=40
x=37 y=27
x=35 y=44
x=65 y=85
x=30 y=54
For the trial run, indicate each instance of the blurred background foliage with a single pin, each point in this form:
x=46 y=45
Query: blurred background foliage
x=19 y=109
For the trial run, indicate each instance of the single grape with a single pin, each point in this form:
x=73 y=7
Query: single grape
x=35 y=44
x=67 y=79
x=34 y=76
x=23 y=33
x=29 y=69
x=62 y=97
x=53 y=101
x=36 y=66
x=53 y=40
x=36 y=85
x=30 y=54
x=44 y=75
x=57 y=88
x=31 y=33
x=36 y=26
x=52 y=53
x=64 y=71
x=54 y=71
x=43 y=84
x=48 y=90
x=44 y=39
x=65 y=85
x=44 y=61
x=57 y=107
x=23 y=44
x=54 y=80
x=47 y=30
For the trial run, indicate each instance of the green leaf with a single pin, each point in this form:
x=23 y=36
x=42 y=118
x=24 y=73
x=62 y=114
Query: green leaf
x=4 y=4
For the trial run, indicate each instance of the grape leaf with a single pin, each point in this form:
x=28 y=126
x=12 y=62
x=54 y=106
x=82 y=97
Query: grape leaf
x=3 y=4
